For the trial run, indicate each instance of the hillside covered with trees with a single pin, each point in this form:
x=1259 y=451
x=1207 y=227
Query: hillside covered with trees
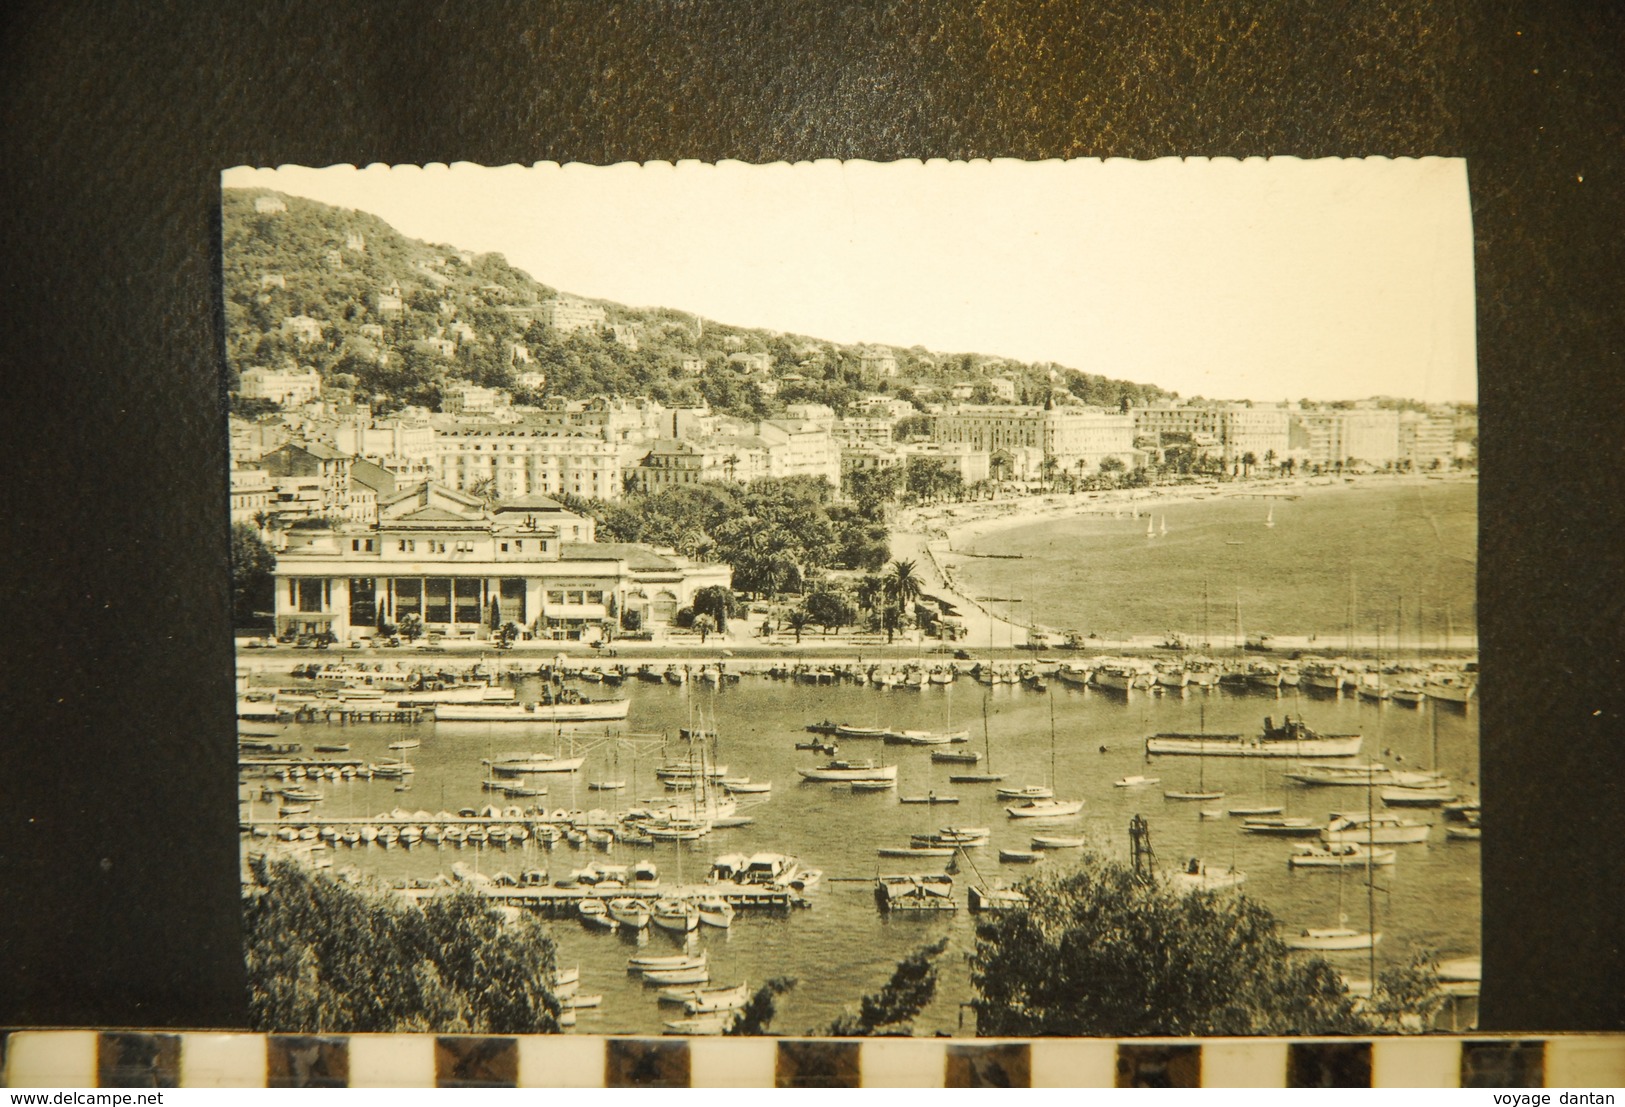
x=397 y=320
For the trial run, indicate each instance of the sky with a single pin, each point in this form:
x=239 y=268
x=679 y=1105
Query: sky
x=1263 y=279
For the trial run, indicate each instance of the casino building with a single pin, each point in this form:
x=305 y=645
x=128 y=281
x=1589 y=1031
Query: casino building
x=464 y=568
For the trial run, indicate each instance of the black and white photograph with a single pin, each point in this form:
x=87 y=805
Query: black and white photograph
x=971 y=599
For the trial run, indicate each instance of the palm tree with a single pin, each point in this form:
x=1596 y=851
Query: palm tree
x=1248 y=460
x=486 y=489
x=799 y=621
x=902 y=588
x=262 y=519
x=705 y=624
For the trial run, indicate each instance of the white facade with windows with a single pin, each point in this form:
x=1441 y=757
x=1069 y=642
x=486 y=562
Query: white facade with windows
x=461 y=570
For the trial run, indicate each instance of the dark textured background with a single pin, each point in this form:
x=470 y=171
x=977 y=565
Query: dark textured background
x=118 y=868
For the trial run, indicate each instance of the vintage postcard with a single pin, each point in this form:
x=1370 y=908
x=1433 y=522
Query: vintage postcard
x=975 y=599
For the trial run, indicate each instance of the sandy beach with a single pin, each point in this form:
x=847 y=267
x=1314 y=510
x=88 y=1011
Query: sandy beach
x=931 y=537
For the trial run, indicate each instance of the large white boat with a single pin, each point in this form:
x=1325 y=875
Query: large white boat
x=1293 y=738
x=925 y=737
x=1045 y=809
x=569 y=709
x=850 y=770
x=1344 y=856
x=535 y=763
x=1450 y=687
x=1379 y=829
x=453 y=693
x=1118 y=678
x=1357 y=776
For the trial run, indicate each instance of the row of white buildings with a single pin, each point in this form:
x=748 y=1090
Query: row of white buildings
x=335 y=459
x=1364 y=434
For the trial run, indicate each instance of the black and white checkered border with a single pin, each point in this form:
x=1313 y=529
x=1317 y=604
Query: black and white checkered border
x=90 y=1058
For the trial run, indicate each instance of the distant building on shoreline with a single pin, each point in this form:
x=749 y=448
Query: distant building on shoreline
x=1021 y=438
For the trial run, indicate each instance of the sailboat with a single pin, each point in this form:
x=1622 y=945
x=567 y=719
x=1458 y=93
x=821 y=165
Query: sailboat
x=1335 y=939
x=1048 y=807
x=988 y=776
x=1269 y=520
x=1432 y=790
x=1165 y=525
x=1201 y=792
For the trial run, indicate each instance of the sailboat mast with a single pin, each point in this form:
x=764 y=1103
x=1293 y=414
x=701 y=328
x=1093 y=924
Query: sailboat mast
x=1052 y=739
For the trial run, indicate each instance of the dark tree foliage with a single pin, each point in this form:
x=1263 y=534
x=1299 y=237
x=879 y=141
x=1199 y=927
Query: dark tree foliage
x=719 y=603
x=307 y=260
x=1099 y=952
x=775 y=532
x=252 y=582
x=831 y=608
x=893 y=1009
x=326 y=956
x=756 y=1017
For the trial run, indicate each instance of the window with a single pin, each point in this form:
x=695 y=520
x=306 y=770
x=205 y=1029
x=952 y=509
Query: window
x=363 y=602
x=504 y=547
x=519 y=546
x=554 y=596
x=437 y=600
x=467 y=594
x=355 y=545
x=367 y=545
x=573 y=596
x=512 y=592
x=595 y=596
x=408 y=598
x=310 y=594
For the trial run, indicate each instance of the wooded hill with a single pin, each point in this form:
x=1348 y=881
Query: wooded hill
x=461 y=316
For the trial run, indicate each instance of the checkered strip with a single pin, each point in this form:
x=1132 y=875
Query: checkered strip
x=131 y=1059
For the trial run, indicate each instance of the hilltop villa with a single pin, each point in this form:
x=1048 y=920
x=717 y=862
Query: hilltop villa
x=465 y=568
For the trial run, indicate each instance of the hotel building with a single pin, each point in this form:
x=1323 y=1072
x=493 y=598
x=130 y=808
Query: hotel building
x=463 y=569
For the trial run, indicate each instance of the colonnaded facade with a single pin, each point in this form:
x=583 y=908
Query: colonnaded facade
x=466 y=569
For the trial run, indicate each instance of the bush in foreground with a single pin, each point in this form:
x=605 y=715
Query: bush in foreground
x=325 y=955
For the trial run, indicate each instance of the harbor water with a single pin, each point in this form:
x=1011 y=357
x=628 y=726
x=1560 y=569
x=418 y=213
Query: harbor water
x=842 y=946
x=1328 y=561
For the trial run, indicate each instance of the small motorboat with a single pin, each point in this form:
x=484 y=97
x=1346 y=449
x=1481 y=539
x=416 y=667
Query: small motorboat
x=1031 y=791
x=711 y=1001
x=595 y=913
x=929 y=798
x=1281 y=827
x=1045 y=809
x=1049 y=842
x=1332 y=939
x=675 y=915
x=697 y=975
x=1347 y=855
x=668 y=961
x=753 y=788
x=1020 y=856
x=715 y=911
x=873 y=785
x=955 y=757
x=633 y=913
x=916 y=851
x=606 y=785
x=1136 y=781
